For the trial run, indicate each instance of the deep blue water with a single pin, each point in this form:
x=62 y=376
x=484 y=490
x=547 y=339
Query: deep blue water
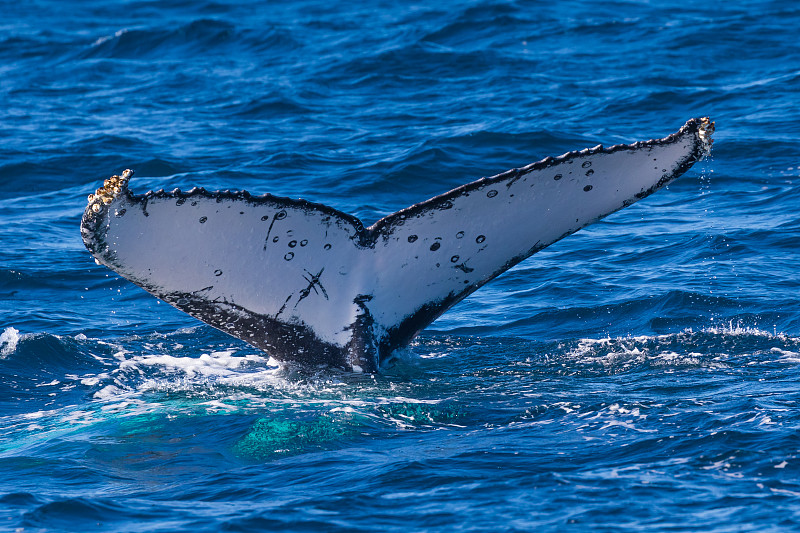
x=643 y=374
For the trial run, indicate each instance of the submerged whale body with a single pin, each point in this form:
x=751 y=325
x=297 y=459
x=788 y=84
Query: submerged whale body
x=307 y=283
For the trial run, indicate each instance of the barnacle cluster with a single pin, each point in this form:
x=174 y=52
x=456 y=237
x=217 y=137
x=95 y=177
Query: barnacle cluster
x=110 y=189
x=705 y=130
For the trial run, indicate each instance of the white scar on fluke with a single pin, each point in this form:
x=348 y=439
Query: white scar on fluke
x=310 y=284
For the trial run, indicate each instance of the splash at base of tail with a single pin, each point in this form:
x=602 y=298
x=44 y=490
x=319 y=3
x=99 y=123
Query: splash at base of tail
x=307 y=283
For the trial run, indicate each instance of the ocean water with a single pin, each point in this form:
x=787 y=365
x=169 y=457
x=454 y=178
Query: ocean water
x=641 y=375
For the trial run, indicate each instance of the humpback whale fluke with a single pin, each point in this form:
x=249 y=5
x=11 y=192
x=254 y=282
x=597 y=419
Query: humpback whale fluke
x=307 y=283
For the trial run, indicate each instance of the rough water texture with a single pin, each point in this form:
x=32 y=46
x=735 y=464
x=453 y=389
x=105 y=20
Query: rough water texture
x=639 y=375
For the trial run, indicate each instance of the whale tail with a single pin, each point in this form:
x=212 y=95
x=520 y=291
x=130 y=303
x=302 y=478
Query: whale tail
x=307 y=283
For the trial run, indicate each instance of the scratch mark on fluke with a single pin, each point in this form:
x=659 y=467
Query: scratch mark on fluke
x=313 y=283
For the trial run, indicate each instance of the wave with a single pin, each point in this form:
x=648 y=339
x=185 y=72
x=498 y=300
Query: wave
x=434 y=166
x=404 y=64
x=185 y=362
x=156 y=398
x=269 y=107
x=74 y=513
x=712 y=347
x=203 y=36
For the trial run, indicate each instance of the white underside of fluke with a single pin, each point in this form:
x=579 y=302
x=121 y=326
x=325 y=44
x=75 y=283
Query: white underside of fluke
x=308 y=283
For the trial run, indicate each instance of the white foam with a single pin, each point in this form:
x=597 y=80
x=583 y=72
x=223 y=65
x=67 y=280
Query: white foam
x=659 y=350
x=38 y=414
x=216 y=364
x=105 y=38
x=731 y=329
x=786 y=492
x=91 y=381
x=79 y=417
x=115 y=407
x=109 y=392
x=8 y=341
x=786 y=356
x=627 y=424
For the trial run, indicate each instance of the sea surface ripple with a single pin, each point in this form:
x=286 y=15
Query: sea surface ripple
x=640 y=375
